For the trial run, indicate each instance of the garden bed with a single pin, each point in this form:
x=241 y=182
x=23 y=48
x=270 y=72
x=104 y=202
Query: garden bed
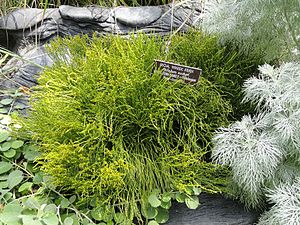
x=102 y=137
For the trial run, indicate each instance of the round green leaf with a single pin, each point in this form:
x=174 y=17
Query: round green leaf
x=97 y=214
x=6 y=101
x=14 y=178
x=20 y=106
x=51 y=219
x=68 y=221
x=32 y=203
x=38 y=178
x=85 y=221
x=108 y=216
x=17 y=144
x=166 y=205
x=196 y=190
x=3 y=111
x=192 y=202
x=31 y=155
x=75 y=220
x=13 y=207
x=51 y=208
x=5 y=146
x=30 y=220
x=149 y=212
x=154 y=201
x=5 y=166
x=180 y=197
x=3 y=184
x=72 y=199
x=3 y=135
x=10 y=218
x=166 y=197
x=64 y=203
x=7 y=196
x=162 y=216
x=6 y=120
x=153 y=222
x=10 y=153
x=119 y=217
x=27 y=186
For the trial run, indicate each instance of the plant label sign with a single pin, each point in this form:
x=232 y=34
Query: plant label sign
x=174 y=72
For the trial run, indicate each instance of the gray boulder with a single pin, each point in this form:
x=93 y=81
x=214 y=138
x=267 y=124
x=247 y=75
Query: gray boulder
x=25 y=31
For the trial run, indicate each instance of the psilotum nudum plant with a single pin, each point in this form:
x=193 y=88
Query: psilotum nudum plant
x=110 y=129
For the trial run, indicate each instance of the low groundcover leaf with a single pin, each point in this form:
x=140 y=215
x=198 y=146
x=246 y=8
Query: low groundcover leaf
x=15 y=178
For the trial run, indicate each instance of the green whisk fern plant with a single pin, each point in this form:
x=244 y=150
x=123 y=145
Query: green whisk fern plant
x=111 y=130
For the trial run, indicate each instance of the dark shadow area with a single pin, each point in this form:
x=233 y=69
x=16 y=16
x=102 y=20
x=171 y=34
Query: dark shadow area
x=213 y=210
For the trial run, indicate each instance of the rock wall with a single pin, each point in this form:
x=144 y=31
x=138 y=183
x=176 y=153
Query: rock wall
x=25 y=31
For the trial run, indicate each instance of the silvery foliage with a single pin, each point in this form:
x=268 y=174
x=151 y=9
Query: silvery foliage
x=286 y=209
x=264 y=150
x=268 y=26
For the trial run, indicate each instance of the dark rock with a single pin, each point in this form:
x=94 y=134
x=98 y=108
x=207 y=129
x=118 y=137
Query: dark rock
x=22 y=19
x=26 y=69
x=214 y=210
x=138 y=16
x=26 y=24
x=38 y=26
x=85 y=14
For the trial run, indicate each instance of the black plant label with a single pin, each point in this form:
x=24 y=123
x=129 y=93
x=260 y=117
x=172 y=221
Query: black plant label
x=174 y=72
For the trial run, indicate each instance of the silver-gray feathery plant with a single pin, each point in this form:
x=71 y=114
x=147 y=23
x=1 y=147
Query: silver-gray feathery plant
x=268 y=26
x=263 y=151
x=286 y=208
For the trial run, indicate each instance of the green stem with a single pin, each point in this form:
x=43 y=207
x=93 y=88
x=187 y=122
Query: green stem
x=80 y=214
x=17 y=165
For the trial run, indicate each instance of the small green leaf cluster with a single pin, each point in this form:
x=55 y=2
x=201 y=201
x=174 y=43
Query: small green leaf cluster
x=110 y=129
x=8 y=101
x=155 y=209
x=25 y=198
x=44 y=208
x=25 y=195
x=32 y=213
x=12 y=153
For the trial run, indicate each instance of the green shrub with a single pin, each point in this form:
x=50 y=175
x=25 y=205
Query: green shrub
x=225 y=66
x=111 y=130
